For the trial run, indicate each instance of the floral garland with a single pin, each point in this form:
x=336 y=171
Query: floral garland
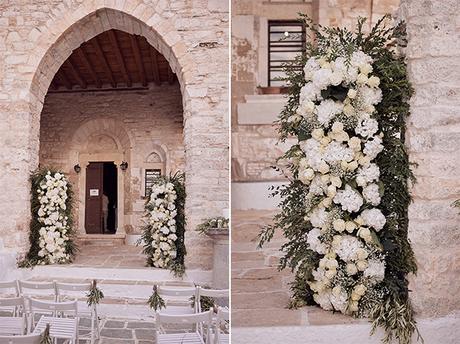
x=51 y=236
x=163 y=235
x=345 y=210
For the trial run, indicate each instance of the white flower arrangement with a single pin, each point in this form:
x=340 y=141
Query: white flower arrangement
x=54 y=232
x=337 y=165
x=161 y=213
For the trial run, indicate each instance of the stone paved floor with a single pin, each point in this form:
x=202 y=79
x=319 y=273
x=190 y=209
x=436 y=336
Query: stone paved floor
x=116 y=256
x=122 y=331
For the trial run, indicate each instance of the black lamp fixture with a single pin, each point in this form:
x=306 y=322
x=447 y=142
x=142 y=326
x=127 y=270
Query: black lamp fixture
x=77 y=168
x=124 y=166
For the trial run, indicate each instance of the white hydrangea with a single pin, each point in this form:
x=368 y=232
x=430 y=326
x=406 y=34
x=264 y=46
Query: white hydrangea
x=375 y=270
x=371 y=194
x=359 y=59
x=373 y=147
x=347 y=247
x=349 y=199
x=324 y=300
x=367 y=174
x=314 y=241
x=369 y=95
x=311 y=66
x=327 y=110
x=319 y=217
x=322 y=78
x=367 y=127
x=373 y=218
x=309 y=92
x=336 y=152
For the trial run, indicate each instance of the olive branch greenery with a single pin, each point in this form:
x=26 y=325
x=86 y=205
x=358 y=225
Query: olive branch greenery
x=155 y=301
x=177 y=265
x=95 y=295
x=32 y=258
x=395 y=314
x=45 y=337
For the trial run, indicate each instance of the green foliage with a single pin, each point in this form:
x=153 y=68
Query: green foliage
x=45 y=337
x=394 y=314
x=177 y=265
x=95 y=295
x=218 y=223
x=156 y=302
x=32 y=258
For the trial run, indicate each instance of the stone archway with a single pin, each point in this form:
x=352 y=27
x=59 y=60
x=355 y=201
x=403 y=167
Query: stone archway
x=197 y=61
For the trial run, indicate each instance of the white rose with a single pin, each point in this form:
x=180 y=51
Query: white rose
x=365 y=68
x=337 y=127
x=373 y=81
x=362 y=79
x=317 y=134
x=352 y=269
x=339 y=225
x=351 y=93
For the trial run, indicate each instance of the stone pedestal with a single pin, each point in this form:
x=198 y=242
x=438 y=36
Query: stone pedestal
x=221 y=254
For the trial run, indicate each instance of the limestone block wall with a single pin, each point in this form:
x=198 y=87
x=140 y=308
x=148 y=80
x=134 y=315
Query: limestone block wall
x=253 y=149
x=433 y=138
x=37 y=37
x=151 y=119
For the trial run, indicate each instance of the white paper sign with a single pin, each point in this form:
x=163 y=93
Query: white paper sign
x=94 y=192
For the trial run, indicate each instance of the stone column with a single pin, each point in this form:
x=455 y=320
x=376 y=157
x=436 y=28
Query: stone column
x=433 y=138
x=220 y=257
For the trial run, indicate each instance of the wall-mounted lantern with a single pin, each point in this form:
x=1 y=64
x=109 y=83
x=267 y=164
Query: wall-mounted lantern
x=77 y=168
x=124 y=166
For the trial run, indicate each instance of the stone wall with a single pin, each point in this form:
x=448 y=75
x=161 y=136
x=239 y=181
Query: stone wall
x=37 y=37
x=253 y=146
x=152 y=119
x=433 y=138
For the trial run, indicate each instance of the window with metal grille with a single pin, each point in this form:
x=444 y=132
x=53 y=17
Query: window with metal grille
x=286 y=40
x=150 y=176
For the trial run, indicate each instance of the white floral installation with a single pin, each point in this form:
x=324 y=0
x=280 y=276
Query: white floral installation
x=344 y=211
x=340 y=172
x=52 y=215
x=161 y=213
x=51 y=226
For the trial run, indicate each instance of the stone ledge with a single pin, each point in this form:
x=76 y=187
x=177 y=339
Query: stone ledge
x=260 y=109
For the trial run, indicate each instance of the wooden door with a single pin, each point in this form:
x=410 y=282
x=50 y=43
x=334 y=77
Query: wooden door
x=94 y=187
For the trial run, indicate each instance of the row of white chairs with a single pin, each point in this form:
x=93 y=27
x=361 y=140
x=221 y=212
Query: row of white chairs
x=57 y=293
x=177 y=300
x=61 y=316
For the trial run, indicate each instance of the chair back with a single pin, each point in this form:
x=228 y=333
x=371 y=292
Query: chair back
x=71 y=290
x=38 y=289
x=53 y=308
x=222 y=325
x=212 y=293
x=27 y=339
x=9 y=288
x=179 y=296
x=13 y=305
x=186 y=319
x=223 y=314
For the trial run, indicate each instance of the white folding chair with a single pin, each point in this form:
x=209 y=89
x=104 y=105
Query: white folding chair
x=62 y=318
x=27 y=339
x=71 y=291
x=42 y=290
x=213 y=293
x=197 y=319
x=9 y=289
x=10 y=325
x=177 y=300
x=223 y=317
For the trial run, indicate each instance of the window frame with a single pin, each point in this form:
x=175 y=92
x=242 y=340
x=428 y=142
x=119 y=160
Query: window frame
x=146 y=179
x=282 y=22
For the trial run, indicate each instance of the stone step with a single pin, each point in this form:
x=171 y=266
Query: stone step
x=242 y=285
x=245 y=264
x=257 y=273
x=267 y=317
x=260 y=300
x=101 y=240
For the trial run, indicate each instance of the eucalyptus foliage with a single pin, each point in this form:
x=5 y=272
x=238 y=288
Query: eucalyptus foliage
x=395 y=314
x=95 y=295
x=156 y=302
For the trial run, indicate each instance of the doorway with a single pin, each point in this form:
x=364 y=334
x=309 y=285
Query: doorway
x=101 y=198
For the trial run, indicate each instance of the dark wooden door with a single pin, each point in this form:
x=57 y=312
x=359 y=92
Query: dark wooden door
x=94 y=187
